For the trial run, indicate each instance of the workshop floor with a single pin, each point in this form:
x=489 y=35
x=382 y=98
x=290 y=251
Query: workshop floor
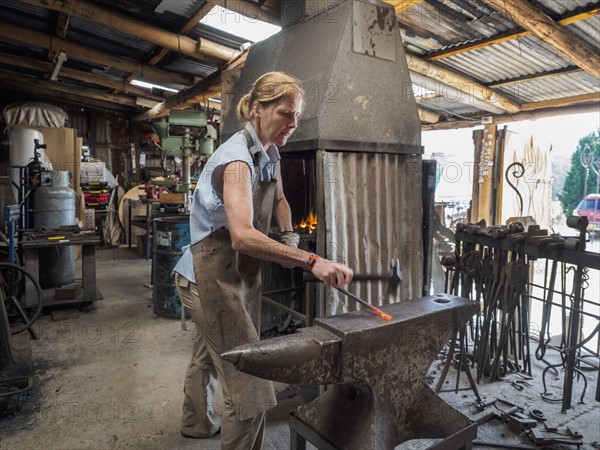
x=112 y=378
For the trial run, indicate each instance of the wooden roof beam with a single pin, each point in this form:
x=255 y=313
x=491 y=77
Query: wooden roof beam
x=189 y=26
x=460 y=82
x=548 y=31
x=203 y=50
x=428 y=116
x=198 y=93
x=15 y=33
x=32 y=84
x=118 y=86
x=243 y=7
x=402 y=5
x=504 y=37
x=507 y=118
x=560 y=102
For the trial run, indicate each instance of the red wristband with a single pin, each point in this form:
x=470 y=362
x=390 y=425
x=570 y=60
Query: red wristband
x=310 y=262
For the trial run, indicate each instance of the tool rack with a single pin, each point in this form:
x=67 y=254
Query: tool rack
x=479 y=271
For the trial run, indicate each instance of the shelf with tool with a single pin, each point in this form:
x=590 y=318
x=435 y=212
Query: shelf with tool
x=184 y=138
x=523 y=279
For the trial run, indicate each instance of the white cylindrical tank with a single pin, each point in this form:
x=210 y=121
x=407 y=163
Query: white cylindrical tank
x=21 y=151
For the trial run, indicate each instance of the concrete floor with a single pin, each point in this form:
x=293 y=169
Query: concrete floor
x=113 y=377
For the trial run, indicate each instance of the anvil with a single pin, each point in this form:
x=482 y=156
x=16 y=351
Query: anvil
x=378 y=396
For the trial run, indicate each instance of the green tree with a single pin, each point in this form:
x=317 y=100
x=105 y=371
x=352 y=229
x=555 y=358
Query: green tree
x=573 y=191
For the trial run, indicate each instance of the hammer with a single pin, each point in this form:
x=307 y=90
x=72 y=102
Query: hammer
x=393 y=278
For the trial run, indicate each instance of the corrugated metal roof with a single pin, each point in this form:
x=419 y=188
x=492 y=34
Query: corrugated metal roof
x=189 y=66
x=452 y=106
x=107 y=40
x=183 y=8
x=560 y=7
x=448 y=26
x=549 y=88
x=427 y=27
x=28 y=16
x=588 y=30
x=507 y=60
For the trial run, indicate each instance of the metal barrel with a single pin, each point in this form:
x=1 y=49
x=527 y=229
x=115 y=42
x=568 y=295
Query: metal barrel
x=54 y=207
x=170 y=235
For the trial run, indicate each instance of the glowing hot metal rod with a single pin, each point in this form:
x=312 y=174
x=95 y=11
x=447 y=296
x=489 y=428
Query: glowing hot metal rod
x=380 y=397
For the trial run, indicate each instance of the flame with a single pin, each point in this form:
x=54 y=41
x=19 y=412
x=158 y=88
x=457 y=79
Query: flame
x=308 y=224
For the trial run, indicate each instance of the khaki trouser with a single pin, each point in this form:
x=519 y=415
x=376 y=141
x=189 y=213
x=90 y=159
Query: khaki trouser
x=201 y=386
x=198 y=410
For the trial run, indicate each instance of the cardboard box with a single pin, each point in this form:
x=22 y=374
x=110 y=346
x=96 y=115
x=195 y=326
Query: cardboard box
x=171 y=199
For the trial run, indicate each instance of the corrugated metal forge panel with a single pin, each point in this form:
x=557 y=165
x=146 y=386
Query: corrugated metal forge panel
x=373 y=213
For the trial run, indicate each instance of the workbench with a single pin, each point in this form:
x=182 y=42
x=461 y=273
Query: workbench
x=31 y=248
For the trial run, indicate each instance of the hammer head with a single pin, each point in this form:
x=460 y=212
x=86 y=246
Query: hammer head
x=394 y=280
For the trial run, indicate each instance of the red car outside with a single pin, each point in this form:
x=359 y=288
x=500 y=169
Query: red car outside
x=590 y=207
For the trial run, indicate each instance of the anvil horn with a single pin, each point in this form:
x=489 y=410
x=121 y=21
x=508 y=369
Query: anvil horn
x=312 y=353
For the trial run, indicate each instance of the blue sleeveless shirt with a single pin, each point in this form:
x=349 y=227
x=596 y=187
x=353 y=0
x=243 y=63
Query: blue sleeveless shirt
x=208 y=210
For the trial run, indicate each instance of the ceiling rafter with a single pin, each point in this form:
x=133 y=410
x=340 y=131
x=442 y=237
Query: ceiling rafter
x=461 y=82
x=550 y=32
x=13 y=32
x=37 y=85
x=119 y=86
x=204 y=50
x=454 y=124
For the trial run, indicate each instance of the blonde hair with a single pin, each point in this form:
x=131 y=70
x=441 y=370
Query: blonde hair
x=267 y=89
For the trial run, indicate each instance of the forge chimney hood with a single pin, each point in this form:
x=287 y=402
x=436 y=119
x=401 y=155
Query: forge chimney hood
x=351 y=61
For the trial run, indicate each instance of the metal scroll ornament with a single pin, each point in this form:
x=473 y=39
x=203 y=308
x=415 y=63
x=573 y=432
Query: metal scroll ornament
x=517 y=170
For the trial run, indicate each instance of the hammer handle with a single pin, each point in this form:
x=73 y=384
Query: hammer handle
x=310 y=278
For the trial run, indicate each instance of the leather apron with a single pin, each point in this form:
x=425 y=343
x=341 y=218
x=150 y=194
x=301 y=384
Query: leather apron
x=229 y=285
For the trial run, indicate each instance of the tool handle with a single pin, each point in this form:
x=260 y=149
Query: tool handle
x=308 y=277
